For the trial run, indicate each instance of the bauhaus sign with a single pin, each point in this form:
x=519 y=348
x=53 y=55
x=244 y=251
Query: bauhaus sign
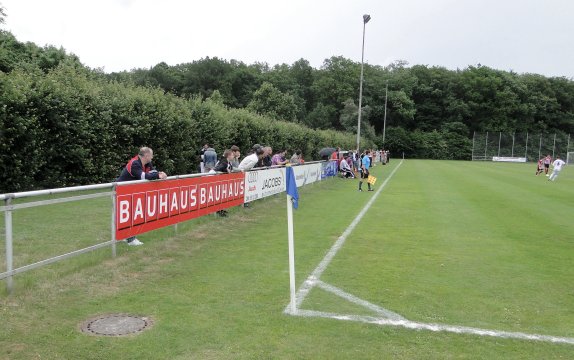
x=147 y=206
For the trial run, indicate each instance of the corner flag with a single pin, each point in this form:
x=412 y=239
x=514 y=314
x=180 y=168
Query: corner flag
x=292 y=187
x=292 y=202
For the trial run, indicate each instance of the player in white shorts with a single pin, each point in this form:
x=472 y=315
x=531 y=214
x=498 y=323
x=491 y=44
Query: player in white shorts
x=556 y=168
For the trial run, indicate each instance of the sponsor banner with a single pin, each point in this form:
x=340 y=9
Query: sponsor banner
x=307 y=174
x=263 y=183
x=329 y=169
x=152 y=205
x=509 y=159
x=267 y=182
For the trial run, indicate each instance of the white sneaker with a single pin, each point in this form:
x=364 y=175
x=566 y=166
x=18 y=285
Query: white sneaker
x=135 y=242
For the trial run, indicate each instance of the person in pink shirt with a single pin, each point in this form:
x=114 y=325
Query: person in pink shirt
x=279 y=158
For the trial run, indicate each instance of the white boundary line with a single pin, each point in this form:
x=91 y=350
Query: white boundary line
x=316 y=274
x=389 y=318
x=436 y=327
x=355 y=300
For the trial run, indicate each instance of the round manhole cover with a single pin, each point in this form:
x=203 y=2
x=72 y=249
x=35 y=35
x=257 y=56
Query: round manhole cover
x=116 y=325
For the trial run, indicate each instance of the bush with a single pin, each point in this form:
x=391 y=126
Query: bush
x=70 y=126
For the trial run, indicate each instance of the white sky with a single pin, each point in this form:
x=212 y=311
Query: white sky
x=519 y=35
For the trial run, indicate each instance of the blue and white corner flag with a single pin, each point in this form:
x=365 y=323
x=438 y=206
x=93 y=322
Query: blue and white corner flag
x=292 y=186
x=292 y=202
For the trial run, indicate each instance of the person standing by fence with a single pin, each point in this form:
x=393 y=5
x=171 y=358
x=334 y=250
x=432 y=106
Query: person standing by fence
x=236 y=155
x=209 y=159
x=225 y=166
x=140 y=168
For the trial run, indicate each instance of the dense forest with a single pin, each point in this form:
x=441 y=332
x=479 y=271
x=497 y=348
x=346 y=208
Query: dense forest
x=62 y=123
x=425 y=104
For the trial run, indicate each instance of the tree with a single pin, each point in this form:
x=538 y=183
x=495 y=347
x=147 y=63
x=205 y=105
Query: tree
x=321 y=117
x=337 y=81
x=2 y=14
x=349 y=118
x=268 y=100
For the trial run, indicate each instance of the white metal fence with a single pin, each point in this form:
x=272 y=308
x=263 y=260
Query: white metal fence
x=486 y=146
x=12 y=204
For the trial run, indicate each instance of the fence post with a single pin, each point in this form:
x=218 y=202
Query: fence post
x=113 y=224
x=539 y=146
x=485 y=145
x=526 y=151
x=472 y=155
x=9 y=251
x=499 y=139
x=554 y=146
x=513 y=134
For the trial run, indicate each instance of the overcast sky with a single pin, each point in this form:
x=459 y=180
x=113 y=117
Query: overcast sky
x=519 y=35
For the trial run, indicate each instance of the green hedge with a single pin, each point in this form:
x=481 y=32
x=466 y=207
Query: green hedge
x=70 y=126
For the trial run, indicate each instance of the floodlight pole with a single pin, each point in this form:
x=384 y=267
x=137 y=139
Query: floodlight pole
x=366 y=19
x=385 y=117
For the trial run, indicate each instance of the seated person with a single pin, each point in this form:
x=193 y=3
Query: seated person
x=346 y=169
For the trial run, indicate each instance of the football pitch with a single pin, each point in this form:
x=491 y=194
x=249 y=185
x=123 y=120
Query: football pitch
x=445 y=259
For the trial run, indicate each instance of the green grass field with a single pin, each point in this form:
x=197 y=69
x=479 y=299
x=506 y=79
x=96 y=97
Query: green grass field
x=470 y=244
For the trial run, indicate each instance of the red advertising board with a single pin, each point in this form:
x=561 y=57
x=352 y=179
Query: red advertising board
x=153 y=205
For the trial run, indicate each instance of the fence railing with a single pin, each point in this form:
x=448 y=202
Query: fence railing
x=486 y=146
x=9 y=207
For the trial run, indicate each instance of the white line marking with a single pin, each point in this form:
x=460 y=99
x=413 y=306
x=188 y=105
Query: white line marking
x=316 y=274
x=437 y=327
x=391 y=318
x=352 y=298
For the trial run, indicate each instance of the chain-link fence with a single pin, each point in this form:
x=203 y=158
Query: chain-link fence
x=486 y=146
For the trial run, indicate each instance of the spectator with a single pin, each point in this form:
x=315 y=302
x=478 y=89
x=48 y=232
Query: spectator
x=140 y=168
x=356 y=160
x=279 y=158
x=296 y=158
x=253 y=148
x=250 y=161
x=335 y=154
x=224 y=165
x=201 y=156
x=209 y=159
x=236 y=155
x=266 y=160
x=346 y=169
